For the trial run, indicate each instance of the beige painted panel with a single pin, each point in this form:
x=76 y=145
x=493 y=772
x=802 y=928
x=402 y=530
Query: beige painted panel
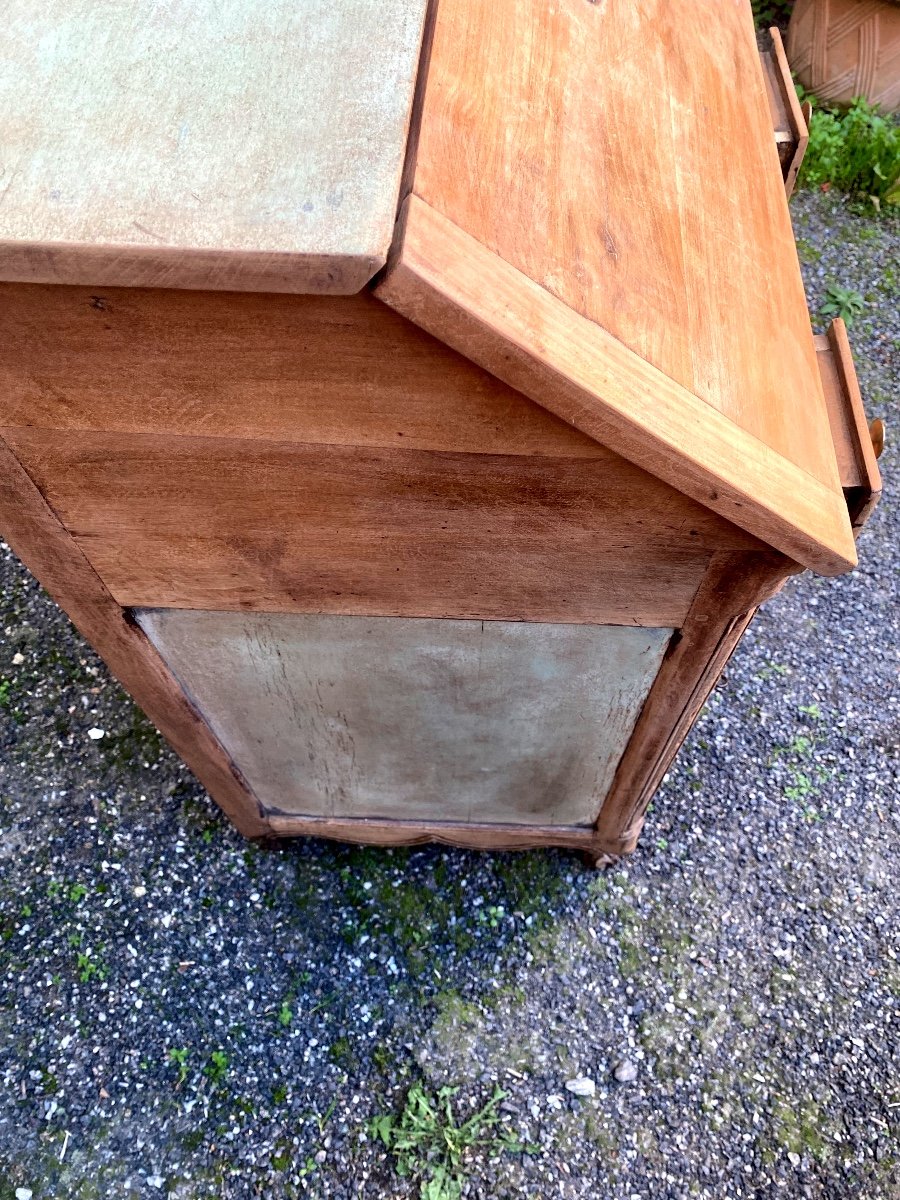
x=475 y=721
x=203 y=143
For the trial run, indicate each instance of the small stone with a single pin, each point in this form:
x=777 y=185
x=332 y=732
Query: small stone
x=582 y=1086
x=96 y=734
x=17 y=660
x=794 y=1159
x=140 y=891
x=625 y=1071
x=23 y=1193
x=155 y=1181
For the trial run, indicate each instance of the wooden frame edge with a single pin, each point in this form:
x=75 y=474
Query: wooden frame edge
x=77 y=264
x=376 y=832
x=36 y=535
x=445 y=281
x=799 y=126
x=734 y=587
x=839 y=344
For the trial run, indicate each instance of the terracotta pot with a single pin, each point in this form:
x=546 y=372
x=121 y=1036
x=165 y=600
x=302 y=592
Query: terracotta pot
x=845 y=48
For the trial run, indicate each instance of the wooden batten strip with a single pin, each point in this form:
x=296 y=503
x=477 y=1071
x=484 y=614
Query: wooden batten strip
x=789 y=123
x=47 y=549
x=285 y=527
x=179 y=267
x=413 y=833
x=733 y=589
x=857 y=462
x=445 y=281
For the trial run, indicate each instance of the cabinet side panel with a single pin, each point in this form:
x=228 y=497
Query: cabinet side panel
x=218 y=523
x=462 y=721
x=37 y=537
x=338 y=371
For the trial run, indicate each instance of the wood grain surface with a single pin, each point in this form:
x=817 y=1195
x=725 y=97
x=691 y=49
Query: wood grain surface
x=337 y=370
x=451 y=285
x=214 y=145
x=857 y=461
x=37 y=537
x=733 y=589
x=228 y=524
x=496 y=836
x=788 y=122
x=601 y=150
x=463 y=721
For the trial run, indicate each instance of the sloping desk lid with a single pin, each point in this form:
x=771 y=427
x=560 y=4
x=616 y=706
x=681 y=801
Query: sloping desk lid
x=203 y=143
x=597 y=215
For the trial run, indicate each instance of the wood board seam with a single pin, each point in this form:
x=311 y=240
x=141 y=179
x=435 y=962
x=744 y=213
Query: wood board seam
x=821 y=555
x=34 y=509
x=185 y=268
x=257 y=445
x=625 y=349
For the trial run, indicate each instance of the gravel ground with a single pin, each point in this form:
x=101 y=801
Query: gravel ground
x=185 y=1014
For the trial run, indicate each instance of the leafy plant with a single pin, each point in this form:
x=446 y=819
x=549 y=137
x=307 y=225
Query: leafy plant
x=180 y=1057
x=856 y=151
x=217 y=1067
x=430 y=1145
x=285 y=1015
x=491 y=915
x=800 y=773
x=842 y=302
x=88 y=967
x=771 y=12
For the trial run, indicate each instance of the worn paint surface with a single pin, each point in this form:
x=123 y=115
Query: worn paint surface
x=432 y=719
x=226 y=125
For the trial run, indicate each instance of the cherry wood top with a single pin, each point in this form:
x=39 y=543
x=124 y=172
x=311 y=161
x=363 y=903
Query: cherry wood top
x=449 y=284
x=204 y=144
x=620 y=156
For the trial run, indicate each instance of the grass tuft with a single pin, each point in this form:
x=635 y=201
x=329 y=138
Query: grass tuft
x=856 y=151
x=430 y=1145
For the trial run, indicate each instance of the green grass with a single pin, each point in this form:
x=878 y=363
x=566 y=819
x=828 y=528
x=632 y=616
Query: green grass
x=842 y=302
x=771 y=12
x=179 y=1057
x=88 y=966
x=430 y=1145
x=216 y=1070
x=856 y=151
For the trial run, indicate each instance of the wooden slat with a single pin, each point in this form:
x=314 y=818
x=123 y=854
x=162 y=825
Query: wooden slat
x=620 y=156
x=448 y=283
x=344 y=371
x=37 y=537
x=204 y=145
x=225 y=524
x=734 y=587
x=857 y=462
x=788 y=122
x=381 y=717
x=415 y=833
